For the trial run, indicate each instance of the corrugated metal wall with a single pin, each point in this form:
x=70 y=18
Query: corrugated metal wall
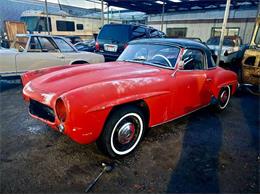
x=200 y=23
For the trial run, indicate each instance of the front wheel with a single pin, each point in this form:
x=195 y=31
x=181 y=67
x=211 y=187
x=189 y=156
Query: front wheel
x=223 y=98
x=122 y=132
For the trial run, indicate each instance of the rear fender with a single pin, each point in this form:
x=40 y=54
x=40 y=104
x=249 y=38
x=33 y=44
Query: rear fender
x=223 y=79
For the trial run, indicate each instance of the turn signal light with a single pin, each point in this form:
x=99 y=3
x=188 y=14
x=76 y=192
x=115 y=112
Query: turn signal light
x=61 y=110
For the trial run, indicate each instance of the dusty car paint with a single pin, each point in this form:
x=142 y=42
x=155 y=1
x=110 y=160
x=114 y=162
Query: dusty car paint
x=91 y=92
x=251 y=72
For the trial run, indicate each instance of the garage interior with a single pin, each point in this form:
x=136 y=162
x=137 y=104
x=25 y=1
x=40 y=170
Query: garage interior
x=203 y=152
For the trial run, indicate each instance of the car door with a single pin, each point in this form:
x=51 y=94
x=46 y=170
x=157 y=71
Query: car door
x=70 y=54
x=7 y=62
x=41 y=53
x=191 y=79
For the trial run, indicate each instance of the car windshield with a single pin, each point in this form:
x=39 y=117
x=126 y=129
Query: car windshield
x=151 y=54
x=118 y=33
x=215 y=41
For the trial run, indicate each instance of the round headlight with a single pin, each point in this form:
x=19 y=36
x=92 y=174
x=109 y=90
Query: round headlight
x=61 y=110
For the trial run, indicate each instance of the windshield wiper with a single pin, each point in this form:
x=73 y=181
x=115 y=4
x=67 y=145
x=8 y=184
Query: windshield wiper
x=139 y=59
x=159 y=63
x=142 y=61
x=134 y=60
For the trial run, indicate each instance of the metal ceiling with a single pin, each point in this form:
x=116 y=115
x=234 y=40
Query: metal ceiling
x=155 y=6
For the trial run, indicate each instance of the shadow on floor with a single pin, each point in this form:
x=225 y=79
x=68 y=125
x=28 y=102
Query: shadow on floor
x=197 y=170
x=9 y=84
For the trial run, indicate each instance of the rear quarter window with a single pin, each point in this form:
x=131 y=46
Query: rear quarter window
x=119 y=33
x=138 y=32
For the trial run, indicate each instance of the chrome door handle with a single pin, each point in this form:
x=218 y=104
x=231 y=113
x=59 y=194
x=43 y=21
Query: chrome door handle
x=62 y=57
x=209 y=79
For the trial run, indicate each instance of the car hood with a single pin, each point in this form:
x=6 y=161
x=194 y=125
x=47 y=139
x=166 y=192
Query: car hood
x=62 y=81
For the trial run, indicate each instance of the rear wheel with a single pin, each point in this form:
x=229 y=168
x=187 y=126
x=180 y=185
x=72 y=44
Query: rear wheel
x=122 y=132
x=223 y=98
x=79 y=62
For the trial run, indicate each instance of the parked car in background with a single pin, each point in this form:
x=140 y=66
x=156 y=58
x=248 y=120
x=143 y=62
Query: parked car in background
x=250 y=72
x=193 y=39
x=73 y=39
x=113 y=38
x=40 y=51
x=232 y=50
x=88 y=45
x=153 y=81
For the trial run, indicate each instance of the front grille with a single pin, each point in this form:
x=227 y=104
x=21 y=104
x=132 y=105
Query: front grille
x=42 y=111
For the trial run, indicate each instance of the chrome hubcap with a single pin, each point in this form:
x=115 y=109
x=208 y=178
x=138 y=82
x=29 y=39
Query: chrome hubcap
x=224 y=97
x=126 y=133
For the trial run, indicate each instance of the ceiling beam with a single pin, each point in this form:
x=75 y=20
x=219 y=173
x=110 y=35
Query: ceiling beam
x=151 y=7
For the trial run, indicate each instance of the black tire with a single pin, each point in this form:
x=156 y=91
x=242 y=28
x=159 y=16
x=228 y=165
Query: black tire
x=240 y=75
x=122 y=132
x=79 y=62
x=223 y=98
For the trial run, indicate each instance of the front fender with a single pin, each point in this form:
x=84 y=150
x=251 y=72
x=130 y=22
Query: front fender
x=89 y=106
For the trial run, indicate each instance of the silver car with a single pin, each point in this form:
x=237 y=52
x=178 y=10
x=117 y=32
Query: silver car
x=32 y=52
x=231 y=50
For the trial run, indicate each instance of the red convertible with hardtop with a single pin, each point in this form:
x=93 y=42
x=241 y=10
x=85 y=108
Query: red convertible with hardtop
x=152 y=82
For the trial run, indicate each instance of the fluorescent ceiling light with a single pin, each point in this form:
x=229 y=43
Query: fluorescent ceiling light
x=175 y=1
x=145 y=3
x=159 y=2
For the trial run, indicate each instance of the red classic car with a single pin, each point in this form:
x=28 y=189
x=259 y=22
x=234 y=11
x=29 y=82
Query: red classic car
x=153 y=81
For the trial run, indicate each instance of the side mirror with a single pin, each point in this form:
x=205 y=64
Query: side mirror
x=21 y=49
x=226 y=53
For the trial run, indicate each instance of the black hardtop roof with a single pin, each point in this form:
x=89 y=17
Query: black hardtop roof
x=173 y=41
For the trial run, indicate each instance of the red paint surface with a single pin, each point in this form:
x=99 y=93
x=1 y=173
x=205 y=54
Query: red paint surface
x=91 y=91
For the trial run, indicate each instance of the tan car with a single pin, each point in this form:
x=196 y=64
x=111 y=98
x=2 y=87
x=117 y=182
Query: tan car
x=34 y=52
x=251 y=60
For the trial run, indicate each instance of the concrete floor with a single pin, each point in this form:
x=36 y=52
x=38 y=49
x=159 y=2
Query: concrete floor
x=204 y=152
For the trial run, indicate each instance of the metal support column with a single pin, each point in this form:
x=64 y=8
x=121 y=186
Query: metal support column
x=108 y=13
x=163 y=10
x=102 y=12
x=224 y=25
x=47 y=17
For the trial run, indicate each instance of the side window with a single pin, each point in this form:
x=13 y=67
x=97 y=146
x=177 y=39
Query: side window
x=63 y=45
x=138 y=32
x=34 y=45
x=42 y=24
x=65 y=25
x=80 y=27
x=46 y=44
x=154 y=34
x=176 y=32
x=193 y=59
